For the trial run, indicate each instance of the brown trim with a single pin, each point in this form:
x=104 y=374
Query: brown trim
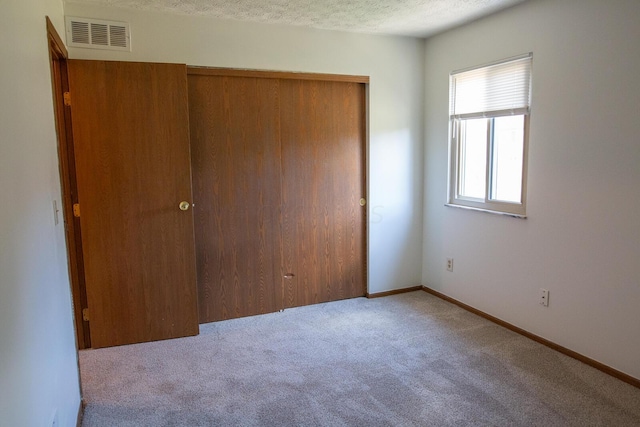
x=55 y=38
x=365 y=186
x=394 y=292
x=232 y=72
x=60 y=84
x=584 y=359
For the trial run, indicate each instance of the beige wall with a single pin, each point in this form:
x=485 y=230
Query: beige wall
x=395 y=65
x=38 y=364
x=582 y=238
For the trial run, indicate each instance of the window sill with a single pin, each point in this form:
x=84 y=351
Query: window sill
x=513 y=215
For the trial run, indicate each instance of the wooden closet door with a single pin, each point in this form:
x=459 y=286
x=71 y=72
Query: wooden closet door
x=235 y=140
x=323 y=161
x=131 y=140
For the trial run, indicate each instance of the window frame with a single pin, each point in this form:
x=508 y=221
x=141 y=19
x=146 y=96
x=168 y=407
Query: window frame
x=455 y=132
x=487 y=204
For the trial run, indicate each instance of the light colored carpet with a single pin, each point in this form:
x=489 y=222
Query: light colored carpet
x=403 y=360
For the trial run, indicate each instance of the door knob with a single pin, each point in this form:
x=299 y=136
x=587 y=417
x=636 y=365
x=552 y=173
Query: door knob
x=184 y=206
x=363 y=202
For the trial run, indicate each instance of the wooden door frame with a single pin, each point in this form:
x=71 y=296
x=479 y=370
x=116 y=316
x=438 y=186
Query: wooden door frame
x=58 y=56
x=264 y=74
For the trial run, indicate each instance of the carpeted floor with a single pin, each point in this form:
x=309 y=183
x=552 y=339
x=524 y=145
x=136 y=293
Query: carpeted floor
x=403 y=360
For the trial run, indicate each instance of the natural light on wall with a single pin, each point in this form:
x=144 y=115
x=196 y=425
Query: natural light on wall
x=489 y=115
x=392 y=208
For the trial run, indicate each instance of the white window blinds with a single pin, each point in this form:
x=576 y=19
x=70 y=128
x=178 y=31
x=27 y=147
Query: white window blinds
x=493 y=90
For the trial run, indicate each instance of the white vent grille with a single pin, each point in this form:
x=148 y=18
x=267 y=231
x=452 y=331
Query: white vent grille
x=79 y=33
x=98 y=34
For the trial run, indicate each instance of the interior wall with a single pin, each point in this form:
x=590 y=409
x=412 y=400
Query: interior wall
x=38 y=360
x=395 y=65
x=581 y=240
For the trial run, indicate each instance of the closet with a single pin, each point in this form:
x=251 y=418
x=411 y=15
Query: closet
x=279 y=185
x=277 y=166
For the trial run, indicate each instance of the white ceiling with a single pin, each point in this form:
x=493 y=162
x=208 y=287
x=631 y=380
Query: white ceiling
x=418 y=18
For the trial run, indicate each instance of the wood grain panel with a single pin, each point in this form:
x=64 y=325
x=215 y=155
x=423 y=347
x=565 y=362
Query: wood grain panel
x=131 y=136
x=323 y=163
x=236 y=176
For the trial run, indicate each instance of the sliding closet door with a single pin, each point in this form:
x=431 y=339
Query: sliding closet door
x=323 y=170
x=131 y=141
x=235 y=140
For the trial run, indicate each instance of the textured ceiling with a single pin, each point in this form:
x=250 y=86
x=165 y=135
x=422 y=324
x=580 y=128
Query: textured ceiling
x=419 y=18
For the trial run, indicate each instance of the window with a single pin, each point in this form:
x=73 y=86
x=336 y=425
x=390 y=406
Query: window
x=489 y=116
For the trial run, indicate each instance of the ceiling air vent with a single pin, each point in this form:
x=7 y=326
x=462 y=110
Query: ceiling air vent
x=98 y=34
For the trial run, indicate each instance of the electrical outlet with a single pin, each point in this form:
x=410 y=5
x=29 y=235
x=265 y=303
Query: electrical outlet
x=544 y=297
x=449 y=264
